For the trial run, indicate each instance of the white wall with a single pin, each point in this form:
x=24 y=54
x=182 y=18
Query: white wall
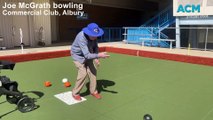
x=35 y=22
x=54 y=26
x=6 y=27
x=42 y=21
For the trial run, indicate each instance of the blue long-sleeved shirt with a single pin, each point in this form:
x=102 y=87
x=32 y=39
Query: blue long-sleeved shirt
x=83 y=49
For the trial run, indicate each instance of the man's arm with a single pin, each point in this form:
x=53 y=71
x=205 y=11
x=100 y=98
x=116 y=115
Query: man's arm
x=83 y=45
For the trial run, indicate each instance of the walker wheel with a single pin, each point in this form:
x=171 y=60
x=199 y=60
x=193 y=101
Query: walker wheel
x=11 y=99
x=25 y=104
x=41 y=43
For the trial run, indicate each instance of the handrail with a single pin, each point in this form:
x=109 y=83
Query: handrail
x=169 y=40
x=111 y=34
x=152 y=27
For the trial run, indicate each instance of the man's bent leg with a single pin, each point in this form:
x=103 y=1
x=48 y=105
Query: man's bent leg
x=82 y=73
x=92 y=72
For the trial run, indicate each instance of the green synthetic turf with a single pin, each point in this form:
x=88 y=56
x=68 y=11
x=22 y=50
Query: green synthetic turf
x=130 y=86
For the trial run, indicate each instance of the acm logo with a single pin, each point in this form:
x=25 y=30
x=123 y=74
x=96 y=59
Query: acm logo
x=189 y=8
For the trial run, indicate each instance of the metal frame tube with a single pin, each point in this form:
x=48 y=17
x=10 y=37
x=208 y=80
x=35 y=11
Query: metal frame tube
x=207 y=33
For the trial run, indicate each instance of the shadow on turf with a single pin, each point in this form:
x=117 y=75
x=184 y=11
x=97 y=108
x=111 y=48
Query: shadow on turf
x=101 y=87
x=37 y=93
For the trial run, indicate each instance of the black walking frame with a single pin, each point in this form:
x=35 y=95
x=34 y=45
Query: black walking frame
x=10 y=89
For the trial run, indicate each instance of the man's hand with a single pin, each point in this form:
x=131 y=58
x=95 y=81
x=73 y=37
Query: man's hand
x=97 y=62
x=103 y=55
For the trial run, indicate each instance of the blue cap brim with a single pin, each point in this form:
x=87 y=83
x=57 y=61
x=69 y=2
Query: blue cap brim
x=92 y=34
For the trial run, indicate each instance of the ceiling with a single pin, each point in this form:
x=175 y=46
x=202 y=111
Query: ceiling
x=141 y=5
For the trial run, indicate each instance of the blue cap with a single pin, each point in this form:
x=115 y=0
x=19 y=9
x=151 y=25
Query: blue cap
x=93 y=30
